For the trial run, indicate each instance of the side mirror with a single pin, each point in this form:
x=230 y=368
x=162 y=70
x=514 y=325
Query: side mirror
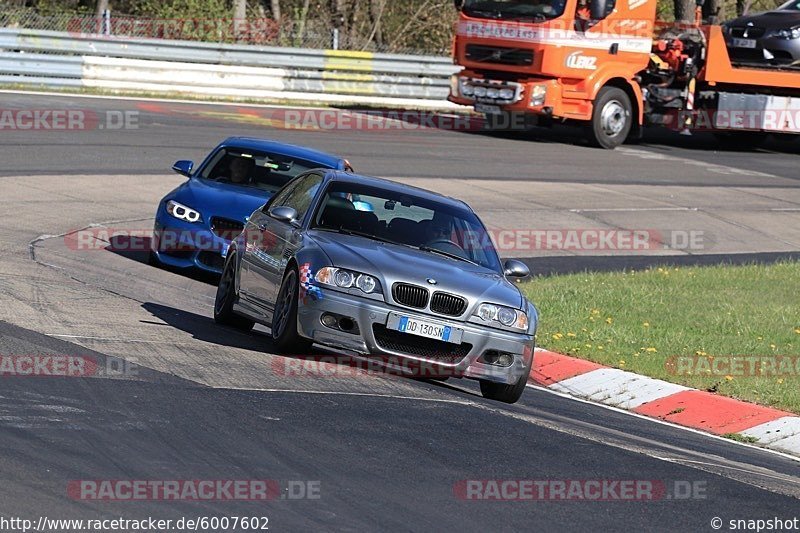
x=516 y=269
x=183 y=167
x=600 y=9
x=459 y=4
x=283 y=214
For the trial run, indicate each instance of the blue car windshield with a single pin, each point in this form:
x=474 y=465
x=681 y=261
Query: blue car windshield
x=249 y=168
x=406 y=219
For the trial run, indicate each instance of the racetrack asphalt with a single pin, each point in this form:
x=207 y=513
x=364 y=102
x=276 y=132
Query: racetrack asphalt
x=203 y=402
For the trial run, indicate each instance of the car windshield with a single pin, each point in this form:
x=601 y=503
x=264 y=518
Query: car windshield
x=407 y=220
x=249 y=168
x=515 y=9
x=793 y=5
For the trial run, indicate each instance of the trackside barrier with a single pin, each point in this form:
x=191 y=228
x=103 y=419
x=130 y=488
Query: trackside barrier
x=56 y=59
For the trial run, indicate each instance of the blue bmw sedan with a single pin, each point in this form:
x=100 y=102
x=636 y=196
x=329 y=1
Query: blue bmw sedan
x=196 y=221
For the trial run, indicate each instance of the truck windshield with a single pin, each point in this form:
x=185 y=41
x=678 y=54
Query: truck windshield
x=515 y=9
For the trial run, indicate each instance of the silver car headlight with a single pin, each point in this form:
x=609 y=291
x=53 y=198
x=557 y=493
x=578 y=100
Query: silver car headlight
x=788 y=34
x=183 y=212
x=510 y=318
x=347 y=279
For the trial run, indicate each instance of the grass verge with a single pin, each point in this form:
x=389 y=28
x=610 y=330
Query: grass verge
x=733 y=330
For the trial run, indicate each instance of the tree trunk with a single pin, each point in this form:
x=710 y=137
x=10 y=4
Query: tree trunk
x=710 y=11
x=376 y=12
x=239 y=19
x=275 y=8
x=102 y=5
x=684 y=10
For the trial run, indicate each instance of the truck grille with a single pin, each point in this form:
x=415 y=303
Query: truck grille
x=431 y=349
x=499 y=55
x=448 y=304
x=226 y=228
x=410 y=295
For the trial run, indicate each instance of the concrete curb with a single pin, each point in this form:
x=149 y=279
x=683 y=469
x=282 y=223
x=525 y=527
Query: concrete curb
x=774 y=429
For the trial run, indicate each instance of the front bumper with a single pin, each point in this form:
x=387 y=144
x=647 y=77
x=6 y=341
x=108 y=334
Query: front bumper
x=371 y=317
x=180 y=244
x=536 y=96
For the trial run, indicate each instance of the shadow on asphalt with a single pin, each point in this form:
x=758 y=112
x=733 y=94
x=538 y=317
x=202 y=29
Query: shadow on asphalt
x=205 y=329
x=137 y=249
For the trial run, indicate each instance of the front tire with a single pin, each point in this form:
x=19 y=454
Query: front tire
x=612 y=118
x=506 y=393
x=284 y=320
x=226 y=296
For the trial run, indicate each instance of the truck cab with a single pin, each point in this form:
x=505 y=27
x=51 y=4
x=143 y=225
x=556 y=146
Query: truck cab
x=559 y=59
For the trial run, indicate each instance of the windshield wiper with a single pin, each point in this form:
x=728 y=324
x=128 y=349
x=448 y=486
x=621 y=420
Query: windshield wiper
x=484 y=13
x=447 y=254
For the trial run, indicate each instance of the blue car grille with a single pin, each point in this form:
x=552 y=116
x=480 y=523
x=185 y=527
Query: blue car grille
x=226 y=228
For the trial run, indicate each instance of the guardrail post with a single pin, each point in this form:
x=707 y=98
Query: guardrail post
x=335 y=44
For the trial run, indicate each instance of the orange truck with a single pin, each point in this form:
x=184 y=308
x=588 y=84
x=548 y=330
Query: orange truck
x=608 y=65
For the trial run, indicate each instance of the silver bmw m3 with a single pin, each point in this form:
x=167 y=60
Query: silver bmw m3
x=386 y=271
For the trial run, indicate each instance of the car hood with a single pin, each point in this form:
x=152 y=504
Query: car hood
x=771 y=20
x=219 y=199
x=392 y=263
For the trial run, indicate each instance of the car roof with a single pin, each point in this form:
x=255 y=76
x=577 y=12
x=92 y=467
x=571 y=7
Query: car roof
x=394 y=186
x=291 y=150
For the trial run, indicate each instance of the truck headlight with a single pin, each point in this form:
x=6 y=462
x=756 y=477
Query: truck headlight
x=538 y=95
x=465 y=88
x=511 y=318
x=182 y=212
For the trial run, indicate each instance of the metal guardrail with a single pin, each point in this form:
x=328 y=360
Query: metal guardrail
x=48 y=58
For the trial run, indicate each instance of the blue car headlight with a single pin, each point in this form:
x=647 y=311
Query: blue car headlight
x=510 y=318
x=183 y=212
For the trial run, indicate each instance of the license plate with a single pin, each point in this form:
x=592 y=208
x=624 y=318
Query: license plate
x=424 y=328
x=744 y=43
x=488 y=109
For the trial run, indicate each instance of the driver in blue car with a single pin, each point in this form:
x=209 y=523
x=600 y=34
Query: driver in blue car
x=239 y=171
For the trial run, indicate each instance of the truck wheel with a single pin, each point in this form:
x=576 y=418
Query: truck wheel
x=611 y=119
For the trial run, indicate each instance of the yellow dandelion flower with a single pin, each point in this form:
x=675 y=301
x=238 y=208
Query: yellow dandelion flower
x=650 y=350
x=557 y=336
x=729 y=378
x=599 y=346
x=621 y=363
x=609 y=320
x=646 y=324
x=773 y=346
x=588 y=345
x=570 y=334
x=797 y=330
x=780 y=381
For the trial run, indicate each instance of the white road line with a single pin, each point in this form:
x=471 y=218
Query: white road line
x=710 y=167
x=633 y=209
x=342 y=393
